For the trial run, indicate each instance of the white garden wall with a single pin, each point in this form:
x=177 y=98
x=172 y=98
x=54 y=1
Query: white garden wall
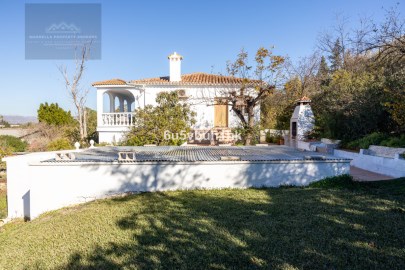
x=35 y=187
x=388 y=166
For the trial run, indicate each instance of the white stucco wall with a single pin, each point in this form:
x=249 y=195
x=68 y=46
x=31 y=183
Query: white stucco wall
x=305 y=120
x=382 y=165
x=146 y=95
x=52 y=186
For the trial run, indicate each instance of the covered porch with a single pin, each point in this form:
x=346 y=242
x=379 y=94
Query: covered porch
x=115 y=107
x=115 y=112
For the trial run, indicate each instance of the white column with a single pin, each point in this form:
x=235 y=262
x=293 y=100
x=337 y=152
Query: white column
x=100 y=106
x=112 y=102
x=129 y=102
x=121 y=103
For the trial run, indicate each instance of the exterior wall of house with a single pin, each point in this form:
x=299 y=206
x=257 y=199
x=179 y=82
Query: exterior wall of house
x=34 y=187
x=198 y=98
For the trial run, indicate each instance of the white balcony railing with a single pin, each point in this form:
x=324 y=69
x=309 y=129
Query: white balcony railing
x=118 y=119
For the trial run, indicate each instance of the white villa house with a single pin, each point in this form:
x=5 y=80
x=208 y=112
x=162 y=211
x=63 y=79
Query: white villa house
x=117 y=99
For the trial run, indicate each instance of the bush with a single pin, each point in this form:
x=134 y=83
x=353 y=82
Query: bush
x=363 y=143
x=394 y=142
x=14 y=143
x=376 y=139
x=59 y=144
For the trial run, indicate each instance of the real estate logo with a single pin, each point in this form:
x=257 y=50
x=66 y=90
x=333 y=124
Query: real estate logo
x=56 y=31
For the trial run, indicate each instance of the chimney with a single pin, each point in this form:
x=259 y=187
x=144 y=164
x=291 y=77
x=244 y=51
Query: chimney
x=175 y=67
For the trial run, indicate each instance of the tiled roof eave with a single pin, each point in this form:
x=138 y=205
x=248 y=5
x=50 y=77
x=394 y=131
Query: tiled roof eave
x=188 y=84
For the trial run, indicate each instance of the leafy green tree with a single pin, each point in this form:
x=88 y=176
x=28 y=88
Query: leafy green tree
x=4 y=122
x=168 y=123
x=336 y=57
x=52 y=114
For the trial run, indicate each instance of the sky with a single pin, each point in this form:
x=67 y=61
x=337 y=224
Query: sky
x=137 y=37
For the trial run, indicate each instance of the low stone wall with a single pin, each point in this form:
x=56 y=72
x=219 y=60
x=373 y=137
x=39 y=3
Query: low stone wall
x=394 y=167
x=36 y=187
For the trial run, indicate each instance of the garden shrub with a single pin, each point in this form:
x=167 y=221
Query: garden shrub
x=377 y=139
x=14 y=143
x=363 y=143
x=59 y=144
x=394 y=141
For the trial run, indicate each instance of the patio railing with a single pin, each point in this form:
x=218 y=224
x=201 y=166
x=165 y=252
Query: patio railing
x=118 y=119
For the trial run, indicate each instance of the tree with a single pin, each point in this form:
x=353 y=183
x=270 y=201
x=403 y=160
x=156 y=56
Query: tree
x=168 y=123
x=92 y=124
x=335 y=57
x=386 y=41
x=4 y=122
x=304 y=70
x=52 y=114
x=323 y=71
x=78 y=94
x=257 y=82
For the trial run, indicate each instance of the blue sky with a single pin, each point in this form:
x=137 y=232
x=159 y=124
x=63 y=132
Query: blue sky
x=137 y=36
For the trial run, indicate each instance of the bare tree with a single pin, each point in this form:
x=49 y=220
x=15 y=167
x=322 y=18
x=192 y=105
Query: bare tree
x=305 y=70
x=255 y=84
x=385 y=40
x=77 y=93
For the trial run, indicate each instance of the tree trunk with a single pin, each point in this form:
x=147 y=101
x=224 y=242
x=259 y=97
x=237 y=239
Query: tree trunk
x=85 y=123
x=250 y=127
x=80 y=118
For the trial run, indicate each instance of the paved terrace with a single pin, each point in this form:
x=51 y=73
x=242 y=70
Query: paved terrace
x=198 y=154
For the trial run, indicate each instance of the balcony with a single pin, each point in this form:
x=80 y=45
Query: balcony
x=118 y=119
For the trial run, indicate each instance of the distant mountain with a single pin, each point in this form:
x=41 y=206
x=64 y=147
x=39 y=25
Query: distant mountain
x=18 y=119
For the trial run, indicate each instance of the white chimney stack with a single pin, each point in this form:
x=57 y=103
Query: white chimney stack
x=175 y=67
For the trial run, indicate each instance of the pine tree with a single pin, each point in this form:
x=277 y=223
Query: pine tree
x=335 y=58
x=323 y=71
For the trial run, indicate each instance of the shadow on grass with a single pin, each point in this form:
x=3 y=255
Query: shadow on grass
x=306 y=228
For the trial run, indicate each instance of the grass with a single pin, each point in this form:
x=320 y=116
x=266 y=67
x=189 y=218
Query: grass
x=3 y=197
x=335 y=224
x=3 y=202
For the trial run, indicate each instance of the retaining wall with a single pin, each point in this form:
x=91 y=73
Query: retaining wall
x=36 y=187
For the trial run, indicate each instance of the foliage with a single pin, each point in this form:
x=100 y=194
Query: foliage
x=258 y=82
x=336 y=57
x=3 y=203
x=360 y=92
x=91 y=119
x=323 y=71
x=52 y=114
x=244 y=132
x=14 y=143
x=272 y=138
x=59 y=144
x=168 y=123
x=376 y=138
x=222 y=229
x=4 y=122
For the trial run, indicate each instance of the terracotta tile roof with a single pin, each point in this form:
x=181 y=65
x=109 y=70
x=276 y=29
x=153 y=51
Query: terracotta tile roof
x=193 y=78
x=110 y=82
x=304 y=99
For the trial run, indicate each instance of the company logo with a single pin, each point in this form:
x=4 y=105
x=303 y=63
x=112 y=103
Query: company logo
x=63 y=28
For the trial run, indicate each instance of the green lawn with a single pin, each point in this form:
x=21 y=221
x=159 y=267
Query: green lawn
x=3 y=202
x=332 y=225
